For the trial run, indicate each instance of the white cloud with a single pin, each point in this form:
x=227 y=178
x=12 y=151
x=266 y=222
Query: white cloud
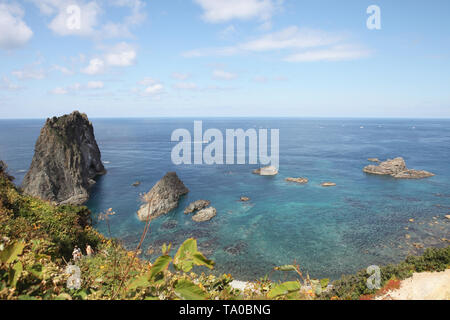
x=228 y=32
x=122 y=55
x=62 y=69
x=336 y=53
x=288 y=38
x=32 y=71
x=95 y=85
x=291 y=37
x=59 y=91
x=14 y=32
x=7 y=84
x=327 y=46
x=89 y=18
x=63 y=17
x=154 y=89
x=77 y=88
x=185 y=86
x=149 y=87
x=223 y=75
x=27 y=74
x=122 y=29
x=181 y=76
x=96 y=66
x=148 y=81
x=218 y=11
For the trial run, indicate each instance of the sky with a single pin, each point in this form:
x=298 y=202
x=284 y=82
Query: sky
x=224 y=58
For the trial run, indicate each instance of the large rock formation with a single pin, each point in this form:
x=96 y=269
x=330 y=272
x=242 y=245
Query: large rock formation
x=65 y=162
x=163 y=197
x=397 y=169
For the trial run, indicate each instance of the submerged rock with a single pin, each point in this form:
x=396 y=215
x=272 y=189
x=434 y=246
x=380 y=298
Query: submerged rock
x=65 y=162
x=298 y=180
x=197 y=205
x=397 y=169
x=136 y=184
x=374 y=160
x=163 y=197
x=266 y=171
x=205 y=215
x=245 y=199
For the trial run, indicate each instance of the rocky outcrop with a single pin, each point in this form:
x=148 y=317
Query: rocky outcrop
x=266 y=171
x=205 y=215
x=163 y=197
x=298 y=180
x=65 y=162
x=397 y=169
x=328 y=184
x=197 y=205
x=136 y=184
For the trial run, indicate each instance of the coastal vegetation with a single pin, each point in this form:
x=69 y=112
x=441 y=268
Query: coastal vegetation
x=37 y=239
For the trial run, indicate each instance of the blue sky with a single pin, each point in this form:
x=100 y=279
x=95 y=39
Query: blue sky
x=199 y=58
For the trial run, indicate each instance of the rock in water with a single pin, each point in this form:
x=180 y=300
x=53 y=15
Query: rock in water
x=163 y=197
x=266 y=171
x=205 y=215
x=65 y=162
x=298 y=180
x=328 y=184
x=397 y=169
x=197 y=205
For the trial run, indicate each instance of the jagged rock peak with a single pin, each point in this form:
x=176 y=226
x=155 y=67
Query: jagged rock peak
x=163 y=197
x=65 y=162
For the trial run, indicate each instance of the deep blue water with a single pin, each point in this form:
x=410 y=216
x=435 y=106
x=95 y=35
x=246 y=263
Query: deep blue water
x=329 y=231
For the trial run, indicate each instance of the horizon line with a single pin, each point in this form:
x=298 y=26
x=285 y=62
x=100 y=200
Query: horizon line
x=245 y=117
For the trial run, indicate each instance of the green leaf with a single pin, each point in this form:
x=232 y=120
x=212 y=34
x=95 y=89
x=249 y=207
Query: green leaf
x=283 y=289
x=139 y=282
x=201 y=260
x=64 y=296
x=286 y=268
x=14 y=274
x=36 y=270
x=324 y=283
x=188 y=255
x=187 y=290
x=160 y=265
x=10 y=253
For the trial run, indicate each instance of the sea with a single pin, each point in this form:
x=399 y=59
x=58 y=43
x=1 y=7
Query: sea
x=365 y=220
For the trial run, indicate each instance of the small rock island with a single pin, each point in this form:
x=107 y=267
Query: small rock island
x=163 y=197
x=266 y=171
x=397 y=168
x=66 y=161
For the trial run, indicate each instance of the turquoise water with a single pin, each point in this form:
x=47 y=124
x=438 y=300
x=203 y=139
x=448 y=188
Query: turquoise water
x=329 y=231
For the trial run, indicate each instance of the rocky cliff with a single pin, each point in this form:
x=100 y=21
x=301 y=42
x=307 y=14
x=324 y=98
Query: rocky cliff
x=65 y=162
x=163 y=197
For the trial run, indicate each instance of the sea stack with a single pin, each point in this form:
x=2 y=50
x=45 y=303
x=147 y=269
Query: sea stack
x=397 y=168
x=65 y=162
x=163 y=197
